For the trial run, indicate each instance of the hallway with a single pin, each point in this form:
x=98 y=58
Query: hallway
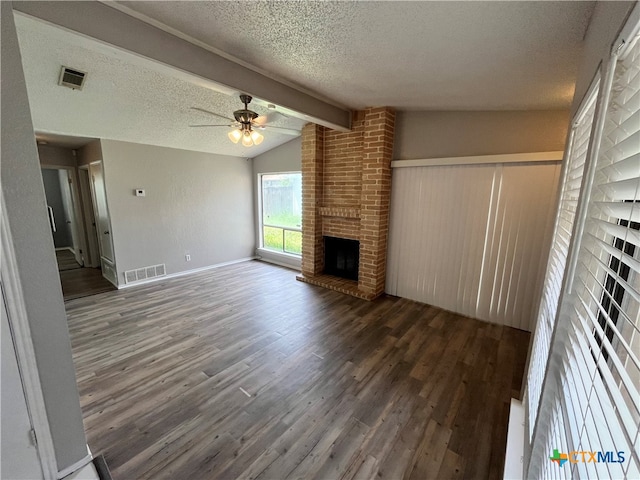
x=77 y=281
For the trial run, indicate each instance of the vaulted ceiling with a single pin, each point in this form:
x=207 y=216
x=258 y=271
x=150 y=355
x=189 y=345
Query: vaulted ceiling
x=125 y=98
x=409 y=55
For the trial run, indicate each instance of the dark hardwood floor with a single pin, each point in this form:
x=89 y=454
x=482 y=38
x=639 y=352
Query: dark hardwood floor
x=66 y=260
x=77 y=281
x=243 y=372
x=82 y=282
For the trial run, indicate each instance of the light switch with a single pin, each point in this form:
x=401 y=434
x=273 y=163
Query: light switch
x=139 y=192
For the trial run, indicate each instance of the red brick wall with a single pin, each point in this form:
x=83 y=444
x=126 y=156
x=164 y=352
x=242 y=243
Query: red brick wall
x=312 y=179
x=375 y=199
x=341 y=227
x=346 y=190
x=343 y=167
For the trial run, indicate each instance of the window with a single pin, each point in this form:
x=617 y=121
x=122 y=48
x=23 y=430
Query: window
x=281 y=221
x=590 y=394
x=613 y=302
x=571 y=184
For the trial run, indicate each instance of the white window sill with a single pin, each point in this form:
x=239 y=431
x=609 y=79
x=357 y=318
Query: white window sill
x=279 y=258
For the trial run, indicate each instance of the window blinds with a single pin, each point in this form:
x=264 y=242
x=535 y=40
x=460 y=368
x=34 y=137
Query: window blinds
x=571 y=183
x=592 y=391
x=493 y=225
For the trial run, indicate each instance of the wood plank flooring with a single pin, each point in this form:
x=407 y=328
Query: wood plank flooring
x=243 y=372
x=66 y=260
x=82 y=282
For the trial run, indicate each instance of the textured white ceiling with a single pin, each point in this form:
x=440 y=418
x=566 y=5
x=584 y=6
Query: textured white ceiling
x=126 y=98
x=410 y=55
x=65 y=141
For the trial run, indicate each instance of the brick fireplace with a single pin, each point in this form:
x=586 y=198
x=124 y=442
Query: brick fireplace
x=346 y=189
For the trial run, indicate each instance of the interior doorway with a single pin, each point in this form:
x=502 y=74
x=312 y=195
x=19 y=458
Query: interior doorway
x=62 y=210
x=92 y=257
x=71 y=208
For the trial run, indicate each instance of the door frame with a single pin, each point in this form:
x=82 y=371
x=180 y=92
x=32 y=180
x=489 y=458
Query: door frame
x=25 y=353
x=97 y=214
x=79 y=224
x=88 y=209
x=109 y=271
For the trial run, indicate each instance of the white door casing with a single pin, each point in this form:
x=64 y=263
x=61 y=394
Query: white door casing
x=92 y=255
x=19 y=455
x=101 y=210
x=70 y=204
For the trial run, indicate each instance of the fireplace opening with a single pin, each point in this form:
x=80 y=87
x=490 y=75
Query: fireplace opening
x=341 y=257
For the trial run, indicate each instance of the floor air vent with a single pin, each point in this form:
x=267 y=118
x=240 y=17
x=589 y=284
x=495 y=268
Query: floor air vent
x=144 y=273
x=72 y=78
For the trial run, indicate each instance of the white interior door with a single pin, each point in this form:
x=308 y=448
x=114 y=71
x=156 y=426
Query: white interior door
x=66 y=181
x=101 y=211
x=19 y=456
x=92 y=255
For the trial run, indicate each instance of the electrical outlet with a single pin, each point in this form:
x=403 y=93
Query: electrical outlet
x=187 y=257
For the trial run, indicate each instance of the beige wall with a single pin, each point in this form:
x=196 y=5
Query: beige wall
x=285 y=158
x=196 y=203
x=606 y=22
x=457 y=134
x=52 y=156
x=91 y=152
x=24 y=206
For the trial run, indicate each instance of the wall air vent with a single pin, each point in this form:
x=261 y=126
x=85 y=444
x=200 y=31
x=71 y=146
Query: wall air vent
x=130 y=276
x=72 y=78
x=144 y=273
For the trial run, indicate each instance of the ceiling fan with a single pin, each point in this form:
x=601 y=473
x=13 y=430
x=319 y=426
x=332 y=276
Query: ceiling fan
x=245 y=124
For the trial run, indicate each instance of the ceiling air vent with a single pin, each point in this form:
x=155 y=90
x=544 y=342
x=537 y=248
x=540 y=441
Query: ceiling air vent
x=72 y=78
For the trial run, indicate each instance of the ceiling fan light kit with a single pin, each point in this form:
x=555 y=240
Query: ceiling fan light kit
x=248 y=136
x=245 y=124
x=245 y=118
x=256 y=137
x=235 y=135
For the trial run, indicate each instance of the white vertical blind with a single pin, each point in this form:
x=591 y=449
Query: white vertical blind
x=571 y=183
x=472 y=239
x=593 y=385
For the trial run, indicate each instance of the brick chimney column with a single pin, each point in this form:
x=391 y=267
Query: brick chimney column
x=377 y=151
x=312 y=178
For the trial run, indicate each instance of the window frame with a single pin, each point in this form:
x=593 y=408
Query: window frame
x=582 y=388
x=261 y=225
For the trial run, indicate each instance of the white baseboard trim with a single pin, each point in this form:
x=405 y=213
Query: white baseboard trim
x=76 y=466
x=185 y=272
x=65 y=248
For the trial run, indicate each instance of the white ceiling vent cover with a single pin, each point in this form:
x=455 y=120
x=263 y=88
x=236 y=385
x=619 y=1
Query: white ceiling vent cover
x=72 y=78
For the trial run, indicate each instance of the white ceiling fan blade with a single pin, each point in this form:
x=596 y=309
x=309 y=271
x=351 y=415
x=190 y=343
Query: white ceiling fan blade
x=219 y=125
x=260 y=121
x=286 y=131
x=212 y=113
x=268 y=118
